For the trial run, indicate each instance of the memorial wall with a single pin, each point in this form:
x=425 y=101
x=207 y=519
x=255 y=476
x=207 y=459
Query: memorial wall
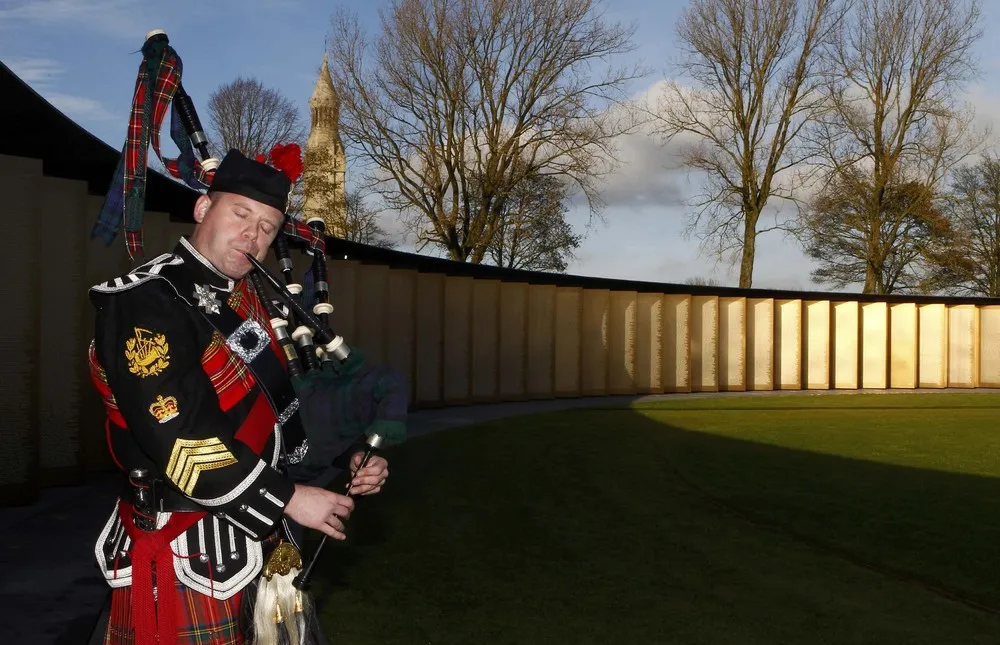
x=462 y=337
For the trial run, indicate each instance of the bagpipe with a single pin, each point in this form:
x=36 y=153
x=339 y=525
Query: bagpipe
x=346 y=405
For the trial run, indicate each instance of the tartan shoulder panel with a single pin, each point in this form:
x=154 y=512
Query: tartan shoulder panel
x=230 y=376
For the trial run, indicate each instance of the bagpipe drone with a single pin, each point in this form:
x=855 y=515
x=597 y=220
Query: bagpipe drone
x=346 y=405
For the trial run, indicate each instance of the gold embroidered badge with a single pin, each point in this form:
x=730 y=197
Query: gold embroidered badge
x=147 y=353
x=164 y=409
x=191 y=457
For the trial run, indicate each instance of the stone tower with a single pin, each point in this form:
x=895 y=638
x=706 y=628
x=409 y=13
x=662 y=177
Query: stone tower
x=324 y=161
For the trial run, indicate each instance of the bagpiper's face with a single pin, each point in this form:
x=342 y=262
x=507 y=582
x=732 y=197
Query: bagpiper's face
x=228 y=226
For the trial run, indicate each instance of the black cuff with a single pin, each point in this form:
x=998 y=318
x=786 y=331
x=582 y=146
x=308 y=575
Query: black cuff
x=260 y=505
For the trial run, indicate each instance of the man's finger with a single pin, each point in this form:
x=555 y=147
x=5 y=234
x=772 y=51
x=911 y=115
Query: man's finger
x=341 y=502
x=370 y=475
x=342 y=513
x=366 y=490
x=370 y=478
x=334 y=523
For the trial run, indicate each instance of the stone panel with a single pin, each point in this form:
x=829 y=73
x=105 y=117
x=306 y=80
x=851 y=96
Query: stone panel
x=704 y=343
x=788 y=344
x=457 y=346
x=677 y=343
x=485 y=339
x=541 y=340
x=568 y=315
x=874 y=345
x=732 y=344
x=933 y=347
x=816 y=344
x=963 y=346
x=513 y=340
x=594 y=342
x=430 y=338
x=622 y=342
x=649 y=352
x=903 y=345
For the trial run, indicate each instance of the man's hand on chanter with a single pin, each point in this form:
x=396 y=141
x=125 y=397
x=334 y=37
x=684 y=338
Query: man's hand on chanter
x=320 y=509
x=368 y=480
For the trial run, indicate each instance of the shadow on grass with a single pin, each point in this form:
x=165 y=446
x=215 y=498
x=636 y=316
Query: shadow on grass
x=607 y=526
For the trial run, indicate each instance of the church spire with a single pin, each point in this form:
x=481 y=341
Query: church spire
x=325 y=161
x=324 y=94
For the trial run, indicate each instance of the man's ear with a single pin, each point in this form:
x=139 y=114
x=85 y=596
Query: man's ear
x=201 y=207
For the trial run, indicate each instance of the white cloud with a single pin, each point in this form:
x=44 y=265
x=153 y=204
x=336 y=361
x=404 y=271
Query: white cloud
x=42 y=75
x=79 y=108
x=118 y=18
x=34 y=71
x=986 y=102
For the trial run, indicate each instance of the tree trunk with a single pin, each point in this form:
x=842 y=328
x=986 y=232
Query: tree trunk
x=871 y=280
x=749 y=247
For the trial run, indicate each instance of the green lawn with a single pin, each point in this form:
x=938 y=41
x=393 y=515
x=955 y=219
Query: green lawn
x=800 y=519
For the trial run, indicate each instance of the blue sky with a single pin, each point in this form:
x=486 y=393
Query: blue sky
x=82 y=56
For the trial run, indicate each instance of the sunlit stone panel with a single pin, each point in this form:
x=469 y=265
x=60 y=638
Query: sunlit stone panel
x=621 y=341
x=594 y=341
x=963 y=346
x=816 y=350
x=788 y=344
x=732 y=344
x=677 y=343
x=845 y=345
x=903 y=345
x=649 y=343
x=760 y=344
x=933 y=347
x=989 y=346
x=704 y=343
x=874 y=345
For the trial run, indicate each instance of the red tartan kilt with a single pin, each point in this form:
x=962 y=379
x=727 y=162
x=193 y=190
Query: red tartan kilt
x=201 y=619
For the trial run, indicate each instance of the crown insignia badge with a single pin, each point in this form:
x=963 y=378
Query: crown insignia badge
x=164 y=409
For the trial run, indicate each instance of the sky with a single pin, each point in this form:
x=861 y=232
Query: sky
x=82 y=56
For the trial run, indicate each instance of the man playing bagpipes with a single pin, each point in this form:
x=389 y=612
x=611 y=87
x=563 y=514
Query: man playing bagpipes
x=215 y=426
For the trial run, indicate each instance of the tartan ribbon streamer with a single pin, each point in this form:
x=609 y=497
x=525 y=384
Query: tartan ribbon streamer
x=301 y=231
x=185 y=166
x=157 y=82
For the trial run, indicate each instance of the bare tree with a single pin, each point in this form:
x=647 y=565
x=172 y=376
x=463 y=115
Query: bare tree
x=533 y=233
x=894 y=80
x=245 y=115
x=892 y=247
x=699 y=281
x=459 y=101
x=754 y=68
x=970 y=265
x=361 y=223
